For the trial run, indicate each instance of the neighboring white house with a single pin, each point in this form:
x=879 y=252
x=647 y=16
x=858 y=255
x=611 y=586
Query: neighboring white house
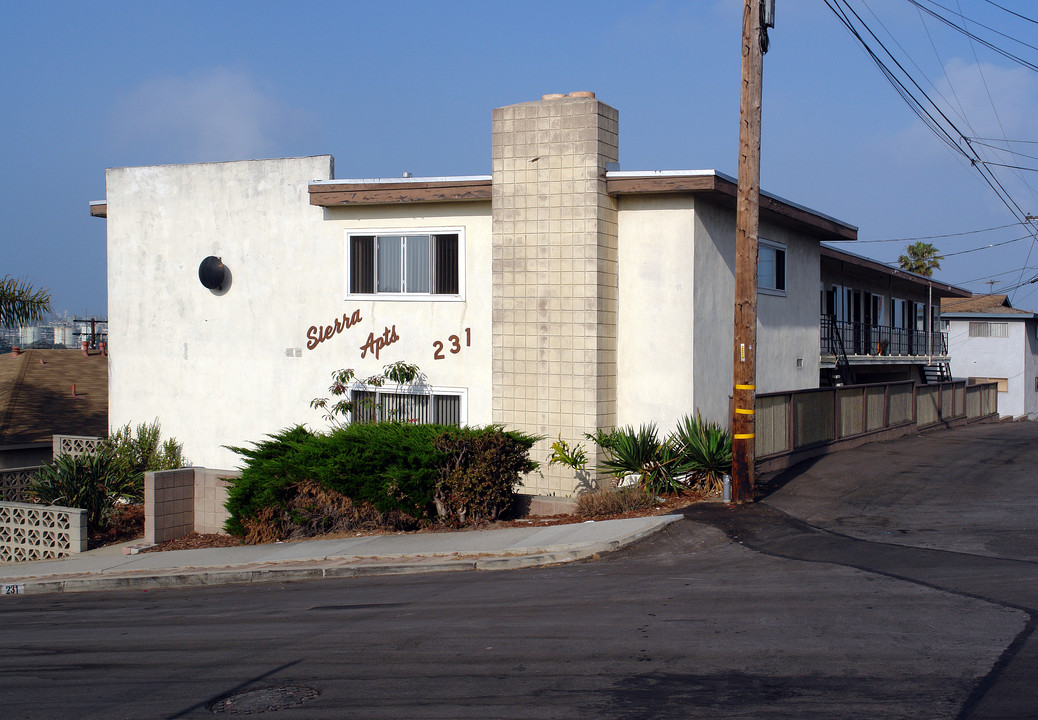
x=556 y=295
x=991 y=341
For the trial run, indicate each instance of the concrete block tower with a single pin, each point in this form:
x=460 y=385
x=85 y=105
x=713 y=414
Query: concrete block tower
x=554 y=274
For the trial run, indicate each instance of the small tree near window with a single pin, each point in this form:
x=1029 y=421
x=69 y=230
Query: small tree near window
x=339 y=412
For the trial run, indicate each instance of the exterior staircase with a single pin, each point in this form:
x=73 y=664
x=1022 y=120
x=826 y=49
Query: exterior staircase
x=938 y=373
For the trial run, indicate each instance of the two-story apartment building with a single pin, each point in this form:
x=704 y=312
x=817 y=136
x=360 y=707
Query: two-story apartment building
x=880 y=324
x=556 y=295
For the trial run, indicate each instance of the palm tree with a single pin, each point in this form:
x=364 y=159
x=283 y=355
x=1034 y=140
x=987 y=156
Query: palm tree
x=21 y=303
x=921 y=258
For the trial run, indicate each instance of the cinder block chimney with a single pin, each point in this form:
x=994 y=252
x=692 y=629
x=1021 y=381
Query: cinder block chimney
x=554 y=273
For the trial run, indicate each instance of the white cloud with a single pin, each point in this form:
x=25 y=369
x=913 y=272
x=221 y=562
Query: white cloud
x=982 y=100
x=216 y=115
x=1011 y=106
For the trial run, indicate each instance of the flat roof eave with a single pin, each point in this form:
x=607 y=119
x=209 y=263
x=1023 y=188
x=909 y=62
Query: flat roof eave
x=386 y=191
x=712 y=182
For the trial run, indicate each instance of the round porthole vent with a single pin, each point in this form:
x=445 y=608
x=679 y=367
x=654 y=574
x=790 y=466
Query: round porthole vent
x=212 y=272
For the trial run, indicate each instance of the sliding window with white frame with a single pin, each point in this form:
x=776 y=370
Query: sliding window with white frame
x=406 y=265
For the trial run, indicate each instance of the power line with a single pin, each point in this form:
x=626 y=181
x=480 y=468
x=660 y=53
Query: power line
x=1005 y=9
x=931 y=237
x=1023 y=142
x=985 y=247
x=991 y=46
x=924 y=106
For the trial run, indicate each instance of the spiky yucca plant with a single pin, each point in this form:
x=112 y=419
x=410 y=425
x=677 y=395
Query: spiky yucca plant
x=641 y=452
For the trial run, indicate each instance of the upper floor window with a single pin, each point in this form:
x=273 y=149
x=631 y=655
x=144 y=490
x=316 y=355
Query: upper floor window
x=771 y=267
x=404 y=264
x=989 y=329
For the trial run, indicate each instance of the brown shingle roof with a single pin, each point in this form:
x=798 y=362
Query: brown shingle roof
x=36 y=398
x=976 y=303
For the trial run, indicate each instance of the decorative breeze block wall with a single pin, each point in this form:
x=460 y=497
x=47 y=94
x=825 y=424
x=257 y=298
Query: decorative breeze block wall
x=74 y=445
x=40 y=532
x=14 y=482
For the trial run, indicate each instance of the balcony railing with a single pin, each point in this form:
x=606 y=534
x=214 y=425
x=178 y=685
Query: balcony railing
x=860 y=339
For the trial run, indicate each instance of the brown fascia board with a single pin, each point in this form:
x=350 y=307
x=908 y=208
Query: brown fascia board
x=943 y=289
x=99 y=209
x=380 y=192
x=773 y=209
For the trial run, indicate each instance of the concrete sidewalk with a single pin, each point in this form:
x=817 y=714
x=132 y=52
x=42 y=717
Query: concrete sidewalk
x=504 y=549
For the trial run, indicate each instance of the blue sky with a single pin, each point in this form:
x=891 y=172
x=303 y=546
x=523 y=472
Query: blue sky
x=406 y=86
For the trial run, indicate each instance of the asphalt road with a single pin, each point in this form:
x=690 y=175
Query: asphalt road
x=892 y=581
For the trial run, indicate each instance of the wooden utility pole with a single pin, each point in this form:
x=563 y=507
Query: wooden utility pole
x=744 y=393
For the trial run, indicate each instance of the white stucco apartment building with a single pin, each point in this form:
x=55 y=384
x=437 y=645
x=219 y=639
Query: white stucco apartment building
x=991 y=341
x=556 y=295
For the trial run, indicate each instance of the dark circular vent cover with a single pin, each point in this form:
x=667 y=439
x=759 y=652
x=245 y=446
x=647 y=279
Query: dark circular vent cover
x=211 y=272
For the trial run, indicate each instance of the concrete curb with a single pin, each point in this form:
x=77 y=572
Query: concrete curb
x=329 y=567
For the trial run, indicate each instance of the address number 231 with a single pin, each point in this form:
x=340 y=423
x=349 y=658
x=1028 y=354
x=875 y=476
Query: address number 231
x=453 y=345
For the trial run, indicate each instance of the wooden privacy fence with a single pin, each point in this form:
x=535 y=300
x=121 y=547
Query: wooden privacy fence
x=800 y=421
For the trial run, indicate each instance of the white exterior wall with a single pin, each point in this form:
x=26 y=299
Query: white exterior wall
x=1030 y=378
x=655 y=318
x=227 y=368
x=787 y=326
x=421 y=323
x=1014 y=358
x=677 y=300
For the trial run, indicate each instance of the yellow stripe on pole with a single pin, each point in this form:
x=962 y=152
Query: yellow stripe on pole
x=742 y=436
x=745 y=387
x=743 y=411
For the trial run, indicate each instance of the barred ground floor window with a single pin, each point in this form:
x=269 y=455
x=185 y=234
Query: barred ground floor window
x=438 y=407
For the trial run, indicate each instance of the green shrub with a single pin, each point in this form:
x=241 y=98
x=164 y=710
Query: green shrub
x=391 y=466
x=135 y=453
x=290 y=457
x=481 y=473
x=311 y=510
x=92 y=482
x=629 y=451
x=705 y=452
x=574 y=457
x=612 y=501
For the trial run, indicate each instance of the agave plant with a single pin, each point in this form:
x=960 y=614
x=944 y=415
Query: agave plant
x=92 y=482
x=704 y=451
x=641 y=452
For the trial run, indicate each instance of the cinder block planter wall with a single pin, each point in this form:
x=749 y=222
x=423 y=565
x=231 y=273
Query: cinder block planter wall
x=180 y=502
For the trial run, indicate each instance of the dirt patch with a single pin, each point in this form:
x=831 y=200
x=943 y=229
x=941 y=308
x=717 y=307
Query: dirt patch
x=196 y=541
x=671 y=503
x=127 y=524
